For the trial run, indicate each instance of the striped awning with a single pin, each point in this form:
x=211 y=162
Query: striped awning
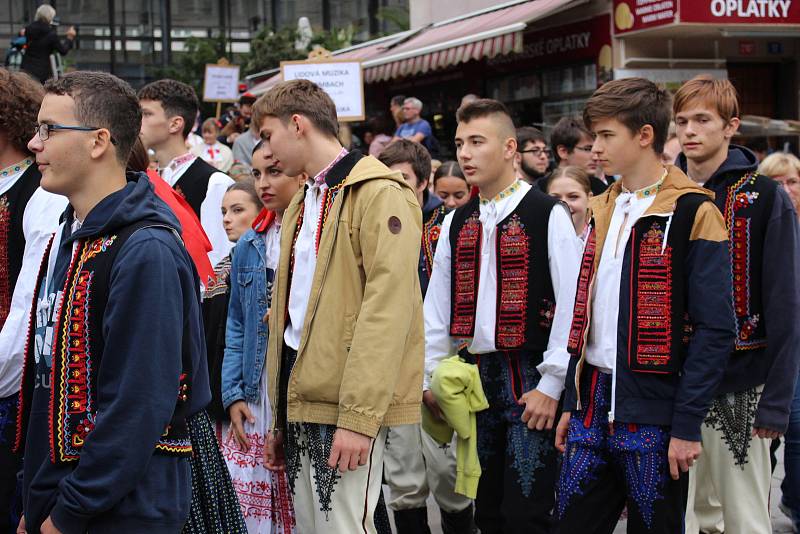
x=486 y=33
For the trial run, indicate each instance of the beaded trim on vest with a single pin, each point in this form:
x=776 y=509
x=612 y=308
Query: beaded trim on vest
x=468 y=264
x=580 y=317
x=653 y=300
x=513 y=249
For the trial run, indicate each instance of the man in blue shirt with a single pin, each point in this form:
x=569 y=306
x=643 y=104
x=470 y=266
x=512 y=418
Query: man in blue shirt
x=415 y=128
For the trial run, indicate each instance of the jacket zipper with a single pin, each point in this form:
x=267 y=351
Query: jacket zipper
x=304 y=335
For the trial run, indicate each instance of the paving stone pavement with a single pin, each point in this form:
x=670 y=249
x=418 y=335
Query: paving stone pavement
x=780 y=523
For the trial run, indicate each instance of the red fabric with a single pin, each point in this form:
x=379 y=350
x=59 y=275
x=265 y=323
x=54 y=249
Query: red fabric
x=194 y=238
x=263 y=220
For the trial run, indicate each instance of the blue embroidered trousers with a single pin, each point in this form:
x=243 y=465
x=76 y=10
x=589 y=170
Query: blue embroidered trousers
x=518 y=465
x=603 y=471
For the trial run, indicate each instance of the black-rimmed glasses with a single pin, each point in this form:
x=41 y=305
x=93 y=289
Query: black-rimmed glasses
x=536 y=151
x=43 y=130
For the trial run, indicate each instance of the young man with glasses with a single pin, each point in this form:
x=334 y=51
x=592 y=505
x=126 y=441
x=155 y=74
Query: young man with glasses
x=115 y=365
x=572 y=146
x=533 y=156
x=28 y=215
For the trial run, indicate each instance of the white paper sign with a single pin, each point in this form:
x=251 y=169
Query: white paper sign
x=342 y=80
x=221 y=83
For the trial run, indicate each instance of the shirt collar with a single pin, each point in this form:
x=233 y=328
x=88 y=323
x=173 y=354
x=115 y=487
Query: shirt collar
x=16 y=168
x=505 y=193
x=319 y=179
x=178 y=162
x=649 y=191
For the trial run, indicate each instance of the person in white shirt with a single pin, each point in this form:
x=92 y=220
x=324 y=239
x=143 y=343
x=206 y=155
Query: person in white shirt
x=504 y=275
x=169 y=108
x=212 y=151
x=28 y=217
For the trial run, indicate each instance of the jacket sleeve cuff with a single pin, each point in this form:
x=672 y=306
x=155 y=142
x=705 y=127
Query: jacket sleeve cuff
x=771 y=419
x=356 y=422
x=552 y=386
x=686 y=427
x=229 y=397
x=67 y=522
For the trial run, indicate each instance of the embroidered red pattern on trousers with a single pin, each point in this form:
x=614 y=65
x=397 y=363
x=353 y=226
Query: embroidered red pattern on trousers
x=5 y=271
x=654 y=300
x=580 y=316
x=513 y=249
x=467 y=271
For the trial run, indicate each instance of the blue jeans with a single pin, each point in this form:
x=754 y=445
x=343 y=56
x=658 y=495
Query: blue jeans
x=791 y=461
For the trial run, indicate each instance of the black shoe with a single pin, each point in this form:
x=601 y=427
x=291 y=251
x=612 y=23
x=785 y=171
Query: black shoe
x=413 y=521
x=459 y=522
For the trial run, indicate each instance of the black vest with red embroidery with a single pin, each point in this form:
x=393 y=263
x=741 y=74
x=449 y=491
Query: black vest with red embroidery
x=193 y=183
x=12 y=238
x=525 y=299
x=431 y=229
x=77 y=351
x=746 y=205
x=653 y=300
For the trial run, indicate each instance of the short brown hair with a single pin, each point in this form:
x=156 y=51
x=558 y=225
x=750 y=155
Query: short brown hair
x=103 y=101
x=574 y=173
x=486 y=107
x=177 y=99
x=716 y=94
x=20 y=99
x=567 y=133
x=298 y=97
x=635 y=102
x=405 y=151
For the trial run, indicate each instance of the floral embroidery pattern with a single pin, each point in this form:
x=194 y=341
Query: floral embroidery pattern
x=513 y=248
x=739 y=244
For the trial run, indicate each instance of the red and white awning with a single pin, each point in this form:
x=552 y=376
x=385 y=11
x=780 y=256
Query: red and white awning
x=487 y=33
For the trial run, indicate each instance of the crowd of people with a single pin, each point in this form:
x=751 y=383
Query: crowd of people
x=259 y=328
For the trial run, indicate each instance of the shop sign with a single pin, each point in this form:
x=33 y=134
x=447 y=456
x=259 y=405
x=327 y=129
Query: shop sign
x=571 y=43
x=634 y=15
x=341 y=79
x=741 y=11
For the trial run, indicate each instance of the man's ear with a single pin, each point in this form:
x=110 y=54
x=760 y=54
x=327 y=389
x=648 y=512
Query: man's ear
x=646 y=135
x=732 y=127
x=101 y=143
x=176 y=124
x=510 y=148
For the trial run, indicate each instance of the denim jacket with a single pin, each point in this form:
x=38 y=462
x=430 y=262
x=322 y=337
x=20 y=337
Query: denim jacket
x=246 y=333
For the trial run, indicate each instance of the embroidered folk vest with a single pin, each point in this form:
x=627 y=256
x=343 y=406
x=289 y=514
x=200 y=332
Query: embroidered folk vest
x=653 y=305
x=77 y=354
x=431 y=229
x=193 y=183
x=12 y=238
x=525 y=298
x=746 y=206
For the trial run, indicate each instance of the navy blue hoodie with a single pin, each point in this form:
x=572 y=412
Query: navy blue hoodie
x=153 y=311
x=776 y=366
